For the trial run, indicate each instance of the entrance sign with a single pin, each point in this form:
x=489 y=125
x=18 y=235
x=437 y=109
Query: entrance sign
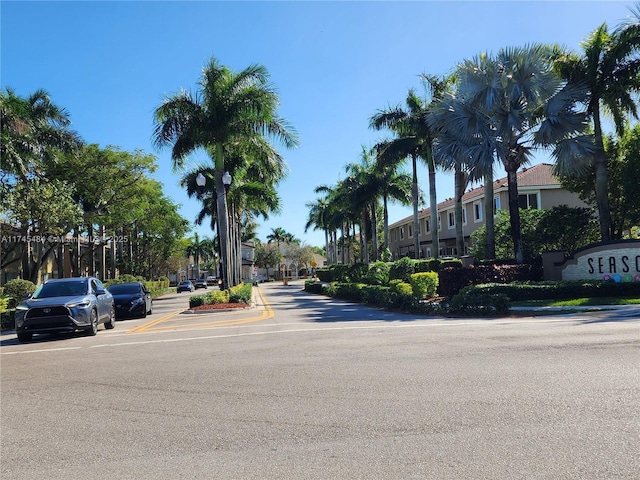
x=614 y=261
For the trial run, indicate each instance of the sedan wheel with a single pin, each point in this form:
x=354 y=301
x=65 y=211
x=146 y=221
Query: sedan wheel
x=93 y=328
x=111 y=323
x=24 y=337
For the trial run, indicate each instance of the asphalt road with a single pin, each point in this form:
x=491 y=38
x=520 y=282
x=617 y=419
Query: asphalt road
x=307 y=387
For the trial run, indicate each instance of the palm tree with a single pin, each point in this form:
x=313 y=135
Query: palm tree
x=33 y=130
x=318 y=218
x=395 y=186
x=414 y=138
x=230 y=108
x=610 y=69
x=508 y=106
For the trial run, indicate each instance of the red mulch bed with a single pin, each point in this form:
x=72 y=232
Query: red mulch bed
x=219 y=306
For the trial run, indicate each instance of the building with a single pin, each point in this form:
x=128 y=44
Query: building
x=537 y=188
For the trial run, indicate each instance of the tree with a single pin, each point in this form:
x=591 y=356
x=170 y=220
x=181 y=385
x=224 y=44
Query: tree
x=34 y=130
x=509 y=105
x=414 y=138
x=43 y=210
x=267 y=255
x=609 y=68
x=559 y=228
x=624 y=177
x=319 y=218
x=229 y=108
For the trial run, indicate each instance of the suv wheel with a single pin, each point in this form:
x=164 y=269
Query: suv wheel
x=24 y=337
x=111 y=323
x=93 y=328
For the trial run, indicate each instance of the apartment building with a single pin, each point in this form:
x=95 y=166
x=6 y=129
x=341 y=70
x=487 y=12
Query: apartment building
x=537 y=188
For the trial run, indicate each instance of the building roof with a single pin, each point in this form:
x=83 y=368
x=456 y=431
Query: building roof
x=540 y=175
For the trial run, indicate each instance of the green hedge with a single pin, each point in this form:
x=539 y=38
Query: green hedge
x=557 y=290
x=241 y=293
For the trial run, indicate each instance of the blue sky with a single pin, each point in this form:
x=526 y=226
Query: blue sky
x=334 y=64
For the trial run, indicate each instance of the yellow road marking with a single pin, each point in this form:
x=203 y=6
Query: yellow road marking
x=267 y=313
x=145 y=326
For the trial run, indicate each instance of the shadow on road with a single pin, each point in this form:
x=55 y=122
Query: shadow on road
x=328 y=309
x=325 y=309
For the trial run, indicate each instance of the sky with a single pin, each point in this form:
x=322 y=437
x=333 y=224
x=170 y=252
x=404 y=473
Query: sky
x=334 y=65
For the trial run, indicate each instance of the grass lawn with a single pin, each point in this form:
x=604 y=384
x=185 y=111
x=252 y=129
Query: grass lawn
x=579 y=302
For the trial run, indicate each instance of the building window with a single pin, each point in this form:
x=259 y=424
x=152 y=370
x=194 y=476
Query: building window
x=452 y=219
x=496 y=205
x=401 y=233
x=410 y=227
x=464 y=215
x=528 y=201
x=428 y=253
x=439 y=223
x=427 y=225
x=477 y=212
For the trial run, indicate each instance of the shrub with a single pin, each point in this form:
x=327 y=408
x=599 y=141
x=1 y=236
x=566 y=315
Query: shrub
x=7 y=320
x=324 y=274
x=451 y=280
x=197 y=300
x=398 y=286
x=313 y=287
x=556 y=290
x=378 y=273
x=424 y=284
x=4 y=302
x=478 y=304
x=357 y=273
x=241 y=293
x=217 y=296
x=402 y=269
x=17 y=289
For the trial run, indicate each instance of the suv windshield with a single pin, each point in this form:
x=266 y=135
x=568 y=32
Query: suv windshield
x=124 y=288
x=61 y=289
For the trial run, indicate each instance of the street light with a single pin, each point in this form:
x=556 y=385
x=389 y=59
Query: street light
x=226 y=180
x=201 y=180
x=223 y=226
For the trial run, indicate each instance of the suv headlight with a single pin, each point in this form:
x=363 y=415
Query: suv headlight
x=81 y=304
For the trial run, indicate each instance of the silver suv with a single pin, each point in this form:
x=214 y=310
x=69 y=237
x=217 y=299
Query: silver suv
x=65 y=305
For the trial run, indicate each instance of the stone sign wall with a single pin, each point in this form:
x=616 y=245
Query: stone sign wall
x=617 y=261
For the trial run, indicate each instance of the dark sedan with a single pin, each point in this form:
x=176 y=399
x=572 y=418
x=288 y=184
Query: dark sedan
x=65 y=305
x=185 y=286
x=132 y=300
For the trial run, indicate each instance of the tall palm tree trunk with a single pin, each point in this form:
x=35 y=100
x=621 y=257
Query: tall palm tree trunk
x=489 y=215
x=414 y=195
x=374 y=232
x=460 y=185
x=514 y=211
x=600 y=169
x=385 y=220
x=433 y=202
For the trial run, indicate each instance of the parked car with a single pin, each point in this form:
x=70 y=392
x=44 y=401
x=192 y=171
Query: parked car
x=201 y=283
x=185 y=286
x=213 y=281
x=65 y=305
x=131 y=300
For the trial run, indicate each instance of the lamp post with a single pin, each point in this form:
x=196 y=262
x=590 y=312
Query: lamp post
x=223 y=180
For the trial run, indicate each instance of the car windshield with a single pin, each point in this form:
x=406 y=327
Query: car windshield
x=124 y=288
x=61 y=289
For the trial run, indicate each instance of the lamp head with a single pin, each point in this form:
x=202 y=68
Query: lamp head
x=201 y=180
x=226 y=179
